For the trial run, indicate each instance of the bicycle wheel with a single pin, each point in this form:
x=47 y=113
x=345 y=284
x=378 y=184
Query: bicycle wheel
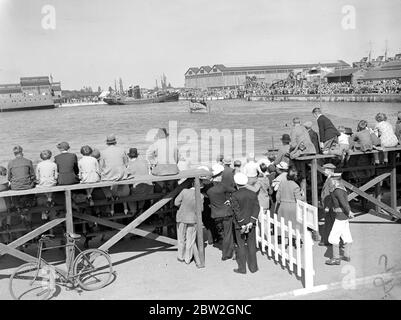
x=29 y=282
x=93 y=269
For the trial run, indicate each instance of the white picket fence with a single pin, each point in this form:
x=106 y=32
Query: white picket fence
x=268 y=230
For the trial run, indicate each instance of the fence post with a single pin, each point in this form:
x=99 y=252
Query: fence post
x=269 y=233
x=262 y=229
x=308 y=254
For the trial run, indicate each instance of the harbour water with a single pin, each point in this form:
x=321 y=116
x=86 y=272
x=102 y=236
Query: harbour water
x=43 y=129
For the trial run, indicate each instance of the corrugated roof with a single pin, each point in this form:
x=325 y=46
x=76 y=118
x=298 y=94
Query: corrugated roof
x=339 y=63
x=342 y=72
x=382 y=74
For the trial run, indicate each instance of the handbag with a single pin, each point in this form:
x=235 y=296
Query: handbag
x=165 y=169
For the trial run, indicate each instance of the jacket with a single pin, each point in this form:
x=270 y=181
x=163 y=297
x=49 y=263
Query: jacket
x=67 y=167
x=227 y=177
x=340 y=203
x=315 y=139
x=218 y=195
x=21 y=174
x=186 y=203
x=245 y=207
x=327 y=130
x=299 y=135
x=113 y=164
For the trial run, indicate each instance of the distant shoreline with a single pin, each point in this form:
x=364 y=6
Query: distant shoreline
x=371 y=97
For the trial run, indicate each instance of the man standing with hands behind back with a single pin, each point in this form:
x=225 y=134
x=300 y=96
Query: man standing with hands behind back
x=328 y=133
x=246 y=211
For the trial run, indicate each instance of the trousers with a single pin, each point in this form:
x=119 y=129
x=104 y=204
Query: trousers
x=246 y=250
x=186 y=238
x=228 y=237
x=340 y=230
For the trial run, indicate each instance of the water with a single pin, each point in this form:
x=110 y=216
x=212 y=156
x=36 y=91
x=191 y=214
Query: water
x=43 y=129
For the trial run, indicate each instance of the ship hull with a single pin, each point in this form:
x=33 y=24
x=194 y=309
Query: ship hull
x=24 y=102
x=128 y=100
x=28 y=108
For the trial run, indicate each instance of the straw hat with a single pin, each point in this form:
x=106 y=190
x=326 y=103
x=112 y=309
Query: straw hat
x=283 y=165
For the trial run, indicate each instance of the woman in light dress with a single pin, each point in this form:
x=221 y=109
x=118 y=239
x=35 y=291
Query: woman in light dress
x=89 y=171
x=384 y=130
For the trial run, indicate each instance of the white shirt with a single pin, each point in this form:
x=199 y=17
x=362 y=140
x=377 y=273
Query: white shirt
x=343 y=138
x=46 y=173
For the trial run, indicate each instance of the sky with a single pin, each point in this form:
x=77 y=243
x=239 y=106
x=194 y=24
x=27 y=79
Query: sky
x=97 y=41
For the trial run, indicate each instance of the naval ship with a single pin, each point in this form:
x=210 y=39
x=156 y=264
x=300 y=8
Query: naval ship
x=30 y=94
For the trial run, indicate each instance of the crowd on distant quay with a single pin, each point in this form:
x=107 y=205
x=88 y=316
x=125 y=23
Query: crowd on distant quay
x=292 y=87
x=233 y=193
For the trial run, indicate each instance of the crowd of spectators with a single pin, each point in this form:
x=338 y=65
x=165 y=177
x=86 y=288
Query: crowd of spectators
x=295 y=87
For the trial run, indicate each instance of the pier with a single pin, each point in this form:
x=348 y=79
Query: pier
x=68 y=214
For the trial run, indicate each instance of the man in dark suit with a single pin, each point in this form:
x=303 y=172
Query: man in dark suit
x=328 y=133
x=219 y=196
x=228 y=173
x=246 y=208
x=67 y=165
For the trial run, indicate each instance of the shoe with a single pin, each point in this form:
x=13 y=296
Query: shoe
x=126 y=211
x=333 y=262
x=348 y=259
x=253 y=271
x=90 y=200
x=199 y=266
x=226 y=258
x=239 y=271
x=180 y=260
x=322 y=244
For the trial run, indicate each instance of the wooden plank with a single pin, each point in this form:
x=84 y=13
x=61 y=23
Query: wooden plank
x=298 y=251
x=290 y=247
x=367 y=196
x=276 y=237
x=142 y=217
x=119 y=226
x=354 y=153
x=199 y=224
x=269 y=234
x=185 y=174
x=369 y=185
x=393 y=182
x=16 y=253
x=69 y=250
x=315 y=199
x=34 y=233
x=262 y=222
x=282 y=229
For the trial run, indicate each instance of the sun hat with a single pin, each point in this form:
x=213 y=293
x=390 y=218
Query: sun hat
x=205 y=168
x=286 y=138
x=283 y=165
x=227 y=160
x=133 y=153
x=63 y=146
x=217 y=169
x=111 y=139
x=240 y=179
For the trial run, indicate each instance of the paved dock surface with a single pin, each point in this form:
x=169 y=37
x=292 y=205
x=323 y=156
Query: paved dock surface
x=147 y=269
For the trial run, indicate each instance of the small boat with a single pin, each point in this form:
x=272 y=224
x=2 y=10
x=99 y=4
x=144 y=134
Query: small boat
x=158 y=97
x=198 y=106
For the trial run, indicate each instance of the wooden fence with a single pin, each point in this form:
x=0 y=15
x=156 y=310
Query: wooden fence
x=295 y=258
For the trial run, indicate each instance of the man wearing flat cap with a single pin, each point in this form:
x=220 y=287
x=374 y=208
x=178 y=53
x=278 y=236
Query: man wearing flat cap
x=340 y=229
x=245 y=205
x=228 y=173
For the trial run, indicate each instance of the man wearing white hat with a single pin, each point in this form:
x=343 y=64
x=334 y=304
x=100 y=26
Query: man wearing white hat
x=246 y=208
x=219 y=196
x=251 y=168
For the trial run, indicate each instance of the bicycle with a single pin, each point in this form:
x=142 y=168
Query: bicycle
x=90 y=270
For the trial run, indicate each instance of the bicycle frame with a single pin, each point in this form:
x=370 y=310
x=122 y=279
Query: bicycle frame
x=68 y=275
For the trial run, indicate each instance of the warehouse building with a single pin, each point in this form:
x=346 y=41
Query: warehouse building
x=220 y=76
